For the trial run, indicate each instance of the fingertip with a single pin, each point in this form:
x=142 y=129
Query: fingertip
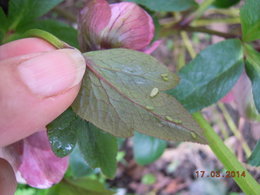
x=23 y=47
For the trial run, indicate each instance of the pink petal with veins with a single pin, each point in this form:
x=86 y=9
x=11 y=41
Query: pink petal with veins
x=93 y=18
x=150 y=49
x=129 y=27
x=40 y=168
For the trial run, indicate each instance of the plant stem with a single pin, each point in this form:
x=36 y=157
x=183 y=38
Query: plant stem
x=188 y=44
x=209 y=31
x=248 y=184
x=232 y=126
x=198 y=13
x=205 y=22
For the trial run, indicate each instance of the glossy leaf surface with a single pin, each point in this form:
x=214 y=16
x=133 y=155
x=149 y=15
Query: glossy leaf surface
x=63 y=134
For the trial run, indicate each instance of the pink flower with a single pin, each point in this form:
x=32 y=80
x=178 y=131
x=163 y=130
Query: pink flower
x=34 y=162
x=104 y=26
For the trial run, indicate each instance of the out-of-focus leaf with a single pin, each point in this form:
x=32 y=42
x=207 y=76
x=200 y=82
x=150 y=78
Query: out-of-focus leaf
x=62 y=133
x=121 y=92
x=24 y=11
x=59 y=29
x=225 y=3
x=147 y=149
x=253 y=72
x=78 y=165
x=169 y=5
x=148 y=179
x=254 y=159
x=210 y=76
x=3 y=19
x=82 y=186
x=250 y=20
x=98 y=148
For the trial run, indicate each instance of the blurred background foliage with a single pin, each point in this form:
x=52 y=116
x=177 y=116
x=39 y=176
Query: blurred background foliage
x=148 y=165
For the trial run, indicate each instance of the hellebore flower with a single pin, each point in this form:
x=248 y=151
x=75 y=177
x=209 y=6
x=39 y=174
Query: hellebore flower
x=125 y=24
x=34 y=162
x=241 y=95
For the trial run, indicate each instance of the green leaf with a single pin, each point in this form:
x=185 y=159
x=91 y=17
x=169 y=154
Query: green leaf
x=250 y=20
x=225 y=3
x=78 y=165
x=24 y=11
x=122 y=92
x=3 y=19
x=147 y=149
x=169 y=5
x=148 y=179
x=80 y=186
x=210 y=76
x=253 y=72
x=254 y=159
x=62 y=133
x=98 y=148
x=59 y=29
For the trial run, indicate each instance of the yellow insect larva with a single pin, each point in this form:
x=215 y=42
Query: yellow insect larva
x=169 y=118
x=154 y=92
x=177 y=121
x=164 y=77
x=193 y=135
x=149 y=107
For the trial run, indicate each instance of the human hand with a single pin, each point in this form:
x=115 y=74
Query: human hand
x=37 y=83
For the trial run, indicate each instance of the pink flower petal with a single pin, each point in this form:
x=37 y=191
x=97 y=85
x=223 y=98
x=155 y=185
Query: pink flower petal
x=40 y=168
x=129 y=27
x=228 y=98
x=150 y=49
x=92 y=19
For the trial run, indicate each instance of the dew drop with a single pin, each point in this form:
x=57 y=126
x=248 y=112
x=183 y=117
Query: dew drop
x=154 y=92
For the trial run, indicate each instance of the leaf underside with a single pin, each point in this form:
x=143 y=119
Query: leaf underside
x=115 y=96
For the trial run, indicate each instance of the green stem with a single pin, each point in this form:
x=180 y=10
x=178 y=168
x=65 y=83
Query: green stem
x=209 y=31
x=198 y=13
x=188 y=44
x=248 y=184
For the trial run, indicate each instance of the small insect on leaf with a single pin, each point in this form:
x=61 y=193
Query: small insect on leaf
x=193 y=135
x=154 y=92
x=165 y=77
x=149 y=107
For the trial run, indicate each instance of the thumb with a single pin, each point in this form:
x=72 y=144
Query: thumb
x=35 y=89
